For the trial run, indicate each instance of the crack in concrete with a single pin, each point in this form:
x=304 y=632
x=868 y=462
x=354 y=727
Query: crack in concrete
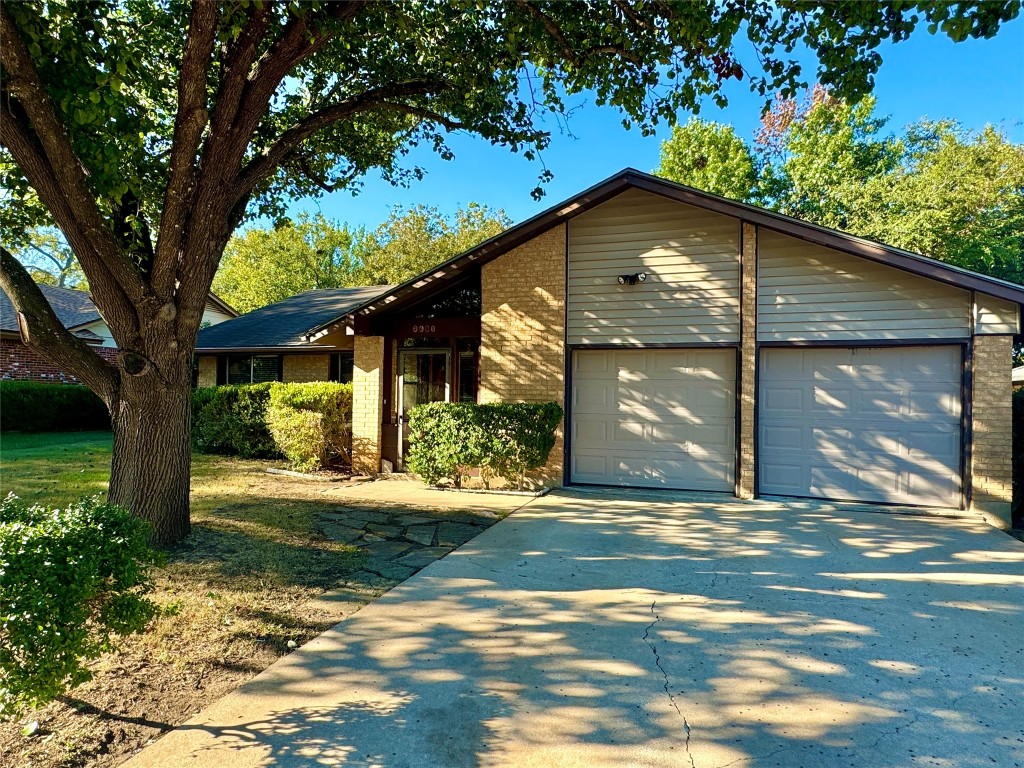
x=664 y=674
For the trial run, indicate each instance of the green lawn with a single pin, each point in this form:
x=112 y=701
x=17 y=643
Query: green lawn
x=55 y=468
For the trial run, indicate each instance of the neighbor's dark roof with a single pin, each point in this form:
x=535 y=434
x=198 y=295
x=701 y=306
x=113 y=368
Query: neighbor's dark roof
x=73 y=308
x=630 y=178
x=286 y=323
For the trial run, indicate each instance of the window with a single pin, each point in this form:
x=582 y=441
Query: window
x=467 y=377
x=342 y=365
x=252 y=369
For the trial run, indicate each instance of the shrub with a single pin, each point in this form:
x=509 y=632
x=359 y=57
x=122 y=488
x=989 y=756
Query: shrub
x=504 y=439
x=232 y=420
x=70 y=580
x=445 y=441
x=311 y=423
x=31 y=406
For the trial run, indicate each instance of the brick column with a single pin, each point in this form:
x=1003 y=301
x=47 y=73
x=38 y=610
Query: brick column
x=992 y=433
x=748 y=363
x=522 y=331
x=367 y=387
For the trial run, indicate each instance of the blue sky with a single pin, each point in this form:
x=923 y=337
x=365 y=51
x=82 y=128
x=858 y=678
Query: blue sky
x=976 y=82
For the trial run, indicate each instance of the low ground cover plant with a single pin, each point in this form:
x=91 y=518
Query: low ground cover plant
x=71 y=581
x=507 y=440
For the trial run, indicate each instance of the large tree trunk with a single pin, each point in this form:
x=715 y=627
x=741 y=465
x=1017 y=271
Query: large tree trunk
x=152 y=459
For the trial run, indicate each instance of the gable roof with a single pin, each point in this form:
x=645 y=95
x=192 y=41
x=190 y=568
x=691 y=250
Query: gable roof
x=631 y=178
x=73 y=308
x=222 y=305
x=286 y=324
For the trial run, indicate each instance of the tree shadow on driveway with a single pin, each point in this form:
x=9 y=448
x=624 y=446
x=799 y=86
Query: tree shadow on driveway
x=656 y=630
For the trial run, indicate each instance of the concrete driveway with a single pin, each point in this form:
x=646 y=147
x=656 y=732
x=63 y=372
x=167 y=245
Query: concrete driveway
x=644 y=629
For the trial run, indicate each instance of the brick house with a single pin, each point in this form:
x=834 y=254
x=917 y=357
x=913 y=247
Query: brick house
x=696 y=343
x=80 y=316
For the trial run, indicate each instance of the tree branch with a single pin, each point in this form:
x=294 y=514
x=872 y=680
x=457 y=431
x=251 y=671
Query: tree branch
x=23 y=83
x=48 y=336
x=16 y=136
x=189 y=124
x=263 y=166
x=299 y=163
x=574 y=57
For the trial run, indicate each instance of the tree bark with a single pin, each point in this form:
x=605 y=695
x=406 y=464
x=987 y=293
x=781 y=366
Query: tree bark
x=151 y=463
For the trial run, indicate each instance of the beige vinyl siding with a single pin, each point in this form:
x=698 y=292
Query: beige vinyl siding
x=691 y=257
x=214 y=315
x=809 y=292
x=995 y=316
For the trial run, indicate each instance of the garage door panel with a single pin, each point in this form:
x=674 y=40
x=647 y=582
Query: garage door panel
x=668 y=416
x=877 y=424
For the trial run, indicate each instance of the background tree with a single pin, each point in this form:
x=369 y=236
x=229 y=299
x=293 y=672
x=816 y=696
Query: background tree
x=934 y=188
x=413 y=240
x=148 y=131
x=709 y=156
x=48 y=259
x=261 y=266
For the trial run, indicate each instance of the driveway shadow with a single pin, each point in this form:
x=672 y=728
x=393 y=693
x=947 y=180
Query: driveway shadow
x=658 y=630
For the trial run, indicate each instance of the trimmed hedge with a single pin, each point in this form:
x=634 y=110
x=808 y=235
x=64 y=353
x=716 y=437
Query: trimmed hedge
x=32 y=406
x=232 y=420
x=311 y=423
x=70 y=580
x=506 y=440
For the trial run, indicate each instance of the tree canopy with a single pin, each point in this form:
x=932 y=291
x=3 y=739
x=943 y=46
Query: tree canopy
x=934 y=188
x=265 y=265
x=709 y=156
x=262 y=266
x=149 y=130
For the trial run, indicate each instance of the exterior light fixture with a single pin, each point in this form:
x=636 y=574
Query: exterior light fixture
x=633 y=279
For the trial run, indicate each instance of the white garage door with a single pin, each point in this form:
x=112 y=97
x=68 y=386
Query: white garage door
x=654 y=418
x=865 y=424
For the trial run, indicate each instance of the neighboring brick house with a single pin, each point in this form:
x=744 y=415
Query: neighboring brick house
x=79 y=315
x=696 y=343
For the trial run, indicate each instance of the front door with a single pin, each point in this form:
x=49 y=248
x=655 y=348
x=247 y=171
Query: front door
x=423 y=377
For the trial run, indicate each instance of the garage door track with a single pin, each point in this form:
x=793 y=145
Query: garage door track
x=646 y=629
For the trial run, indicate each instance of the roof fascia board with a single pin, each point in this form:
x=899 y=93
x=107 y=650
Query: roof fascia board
x=297 y=350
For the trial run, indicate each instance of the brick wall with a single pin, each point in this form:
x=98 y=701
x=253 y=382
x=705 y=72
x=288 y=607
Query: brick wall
x=297 y=368
x=207 y=371
x=522 y=329
x=992 y=435
x=748 y=362
x=367 y=386
x=20 y=363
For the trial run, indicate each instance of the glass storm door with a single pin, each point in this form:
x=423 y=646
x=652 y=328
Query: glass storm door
x=423 y=377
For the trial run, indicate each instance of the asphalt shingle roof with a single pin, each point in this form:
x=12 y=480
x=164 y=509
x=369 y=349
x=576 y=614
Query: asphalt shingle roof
x=283 y=324
x=73 y=308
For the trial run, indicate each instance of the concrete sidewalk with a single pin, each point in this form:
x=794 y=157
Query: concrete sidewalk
x=635 y=629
